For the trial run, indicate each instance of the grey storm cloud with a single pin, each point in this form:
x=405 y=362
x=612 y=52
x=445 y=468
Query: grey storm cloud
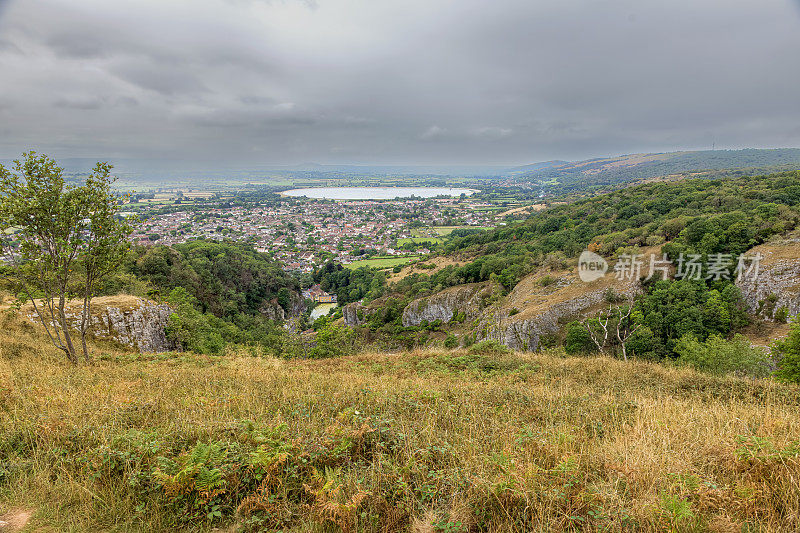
x=395 y=81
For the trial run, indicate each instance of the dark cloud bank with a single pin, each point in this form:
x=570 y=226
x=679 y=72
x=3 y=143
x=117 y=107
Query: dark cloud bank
x=243 y=82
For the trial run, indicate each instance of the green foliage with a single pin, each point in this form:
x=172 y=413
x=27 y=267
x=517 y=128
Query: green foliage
x=787 y=354
x=451 y=342
x=703 y=216
x=577 y=340
x=350 y=285
x=781 y=314
x=333 y=340
x=720 y=356
x=671 y=309
x=489 y=347
x=66 y=239
x=226 y=278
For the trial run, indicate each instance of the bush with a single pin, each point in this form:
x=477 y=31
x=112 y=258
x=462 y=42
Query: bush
x=720 y=356
x=547 y=281
x=782 y=314
x=450 y=342
x=578 y=340
x=489 y=347
x=787 y=353
x=334 y=341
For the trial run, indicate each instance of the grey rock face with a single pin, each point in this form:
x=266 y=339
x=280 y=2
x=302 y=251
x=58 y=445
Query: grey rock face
x=781 y=279
x=350 y=314
x=139 y=327
x=445 y=304
x=525 y=332
x=139 y=323
x=272 y=310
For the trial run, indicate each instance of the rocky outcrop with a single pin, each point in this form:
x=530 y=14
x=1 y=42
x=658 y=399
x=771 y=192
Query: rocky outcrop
x=353 y=314
x=134 y=322
x=139 y=326
x=445 y=304
x=273 y=310
x=776 y=285
x=524 y=331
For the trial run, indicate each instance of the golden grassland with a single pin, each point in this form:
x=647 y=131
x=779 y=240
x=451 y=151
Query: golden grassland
x=425 y=441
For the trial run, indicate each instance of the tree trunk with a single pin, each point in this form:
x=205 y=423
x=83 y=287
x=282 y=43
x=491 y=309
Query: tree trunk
x=62 y=318
x=86 y=314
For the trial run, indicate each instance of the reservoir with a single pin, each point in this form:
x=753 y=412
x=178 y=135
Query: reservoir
x=377 y=193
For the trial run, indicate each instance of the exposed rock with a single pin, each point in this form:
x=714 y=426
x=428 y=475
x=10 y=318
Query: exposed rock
x=445 y=304
x=524 y=331
x=353 y=314
x=129 y=320
x=781 y=279
x=273 y=311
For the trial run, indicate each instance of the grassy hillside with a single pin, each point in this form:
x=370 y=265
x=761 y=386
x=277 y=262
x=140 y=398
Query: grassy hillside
x=418 y=441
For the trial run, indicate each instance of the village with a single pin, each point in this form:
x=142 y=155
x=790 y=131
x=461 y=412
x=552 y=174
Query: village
x=303 y=234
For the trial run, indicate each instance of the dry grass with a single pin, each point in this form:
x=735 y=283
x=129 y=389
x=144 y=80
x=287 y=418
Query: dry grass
x=422 y=441
x=440 y=262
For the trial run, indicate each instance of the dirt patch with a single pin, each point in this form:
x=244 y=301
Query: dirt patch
x=762 y=333
x=14 y=520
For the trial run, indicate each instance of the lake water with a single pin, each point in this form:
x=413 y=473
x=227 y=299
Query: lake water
x=377 y=193
x=321 y=310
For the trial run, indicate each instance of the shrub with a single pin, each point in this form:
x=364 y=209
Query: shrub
x=720 y=356
x=451 y=341
x=782 y=314
x=578 y=340
x=547 y=281
x=334 y=341
x=555 y=261
x=787 y=353
x=489 y=347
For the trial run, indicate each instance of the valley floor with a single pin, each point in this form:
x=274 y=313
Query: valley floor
x=428 y=441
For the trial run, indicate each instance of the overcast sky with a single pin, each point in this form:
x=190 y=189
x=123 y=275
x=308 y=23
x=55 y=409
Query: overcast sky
x=396 y=81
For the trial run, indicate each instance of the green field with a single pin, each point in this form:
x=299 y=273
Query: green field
x=380 y=262
x=419 y=240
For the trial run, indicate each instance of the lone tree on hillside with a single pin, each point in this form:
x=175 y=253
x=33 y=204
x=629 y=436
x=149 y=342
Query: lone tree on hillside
x=62 y=239
x=616 y=322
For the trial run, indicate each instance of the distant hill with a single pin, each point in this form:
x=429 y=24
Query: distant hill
x=612 y=172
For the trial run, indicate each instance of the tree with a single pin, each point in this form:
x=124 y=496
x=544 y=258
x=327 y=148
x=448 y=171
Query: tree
x=69 y=237
x=622 y=327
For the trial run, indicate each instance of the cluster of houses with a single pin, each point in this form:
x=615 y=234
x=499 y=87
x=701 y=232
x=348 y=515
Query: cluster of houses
x=303 y=235
x=316 y=294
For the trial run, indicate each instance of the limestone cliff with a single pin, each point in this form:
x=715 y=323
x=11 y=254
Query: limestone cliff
x=132 y=321
x=273 y=310
x=777 y=283
x=353 y=314
x=525 y=329
x=446 y=304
